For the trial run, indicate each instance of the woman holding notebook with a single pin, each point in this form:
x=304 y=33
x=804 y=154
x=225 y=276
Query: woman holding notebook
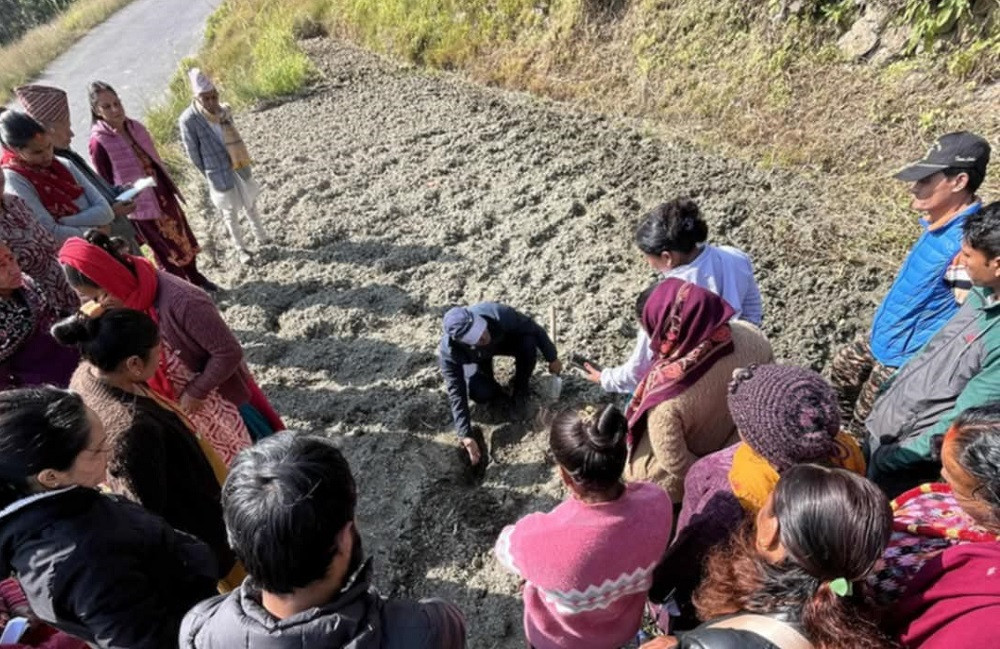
x=123 y=152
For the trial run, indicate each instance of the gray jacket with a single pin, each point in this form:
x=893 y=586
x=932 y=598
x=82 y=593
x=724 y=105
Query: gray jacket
x=206 y=149
x=359 y=618
x=958 y=369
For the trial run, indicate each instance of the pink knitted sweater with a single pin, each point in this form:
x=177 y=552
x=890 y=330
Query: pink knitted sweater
x=588 y=568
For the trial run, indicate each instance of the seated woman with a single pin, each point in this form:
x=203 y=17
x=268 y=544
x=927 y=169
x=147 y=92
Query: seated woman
x=50 y=107
x=672 y=238
x=677 y=415
x=604 y=540
x=156 y=458
x=789 y=580
x=28 y=354
x=102 y=569
x=35 y=251
x=202 y=366
x=785 y=415
x=939 y=573
x=61 y=199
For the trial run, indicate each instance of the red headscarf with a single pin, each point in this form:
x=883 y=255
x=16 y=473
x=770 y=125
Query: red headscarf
x=689 y=328
x=136 y=290
x=135 y=287
x=56 y=187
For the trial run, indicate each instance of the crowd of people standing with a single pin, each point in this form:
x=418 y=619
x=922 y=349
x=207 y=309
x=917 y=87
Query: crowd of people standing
x=149 y=498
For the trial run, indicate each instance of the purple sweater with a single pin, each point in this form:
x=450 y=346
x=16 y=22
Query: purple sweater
x=191 y=324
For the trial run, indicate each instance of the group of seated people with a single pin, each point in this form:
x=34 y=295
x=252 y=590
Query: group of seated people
x=148 y=497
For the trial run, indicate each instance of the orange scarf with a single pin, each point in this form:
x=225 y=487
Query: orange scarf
x=752 y=479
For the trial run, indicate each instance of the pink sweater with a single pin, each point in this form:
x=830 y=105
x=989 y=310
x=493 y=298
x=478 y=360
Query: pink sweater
x=588 y=568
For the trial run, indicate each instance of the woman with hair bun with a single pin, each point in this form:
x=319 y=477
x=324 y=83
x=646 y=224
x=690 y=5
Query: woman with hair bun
x=940 y=571
x=157 y=458
x=202 y=367
x=672 y=238
x=97 y=567
x=588 y=563
x=789 y=581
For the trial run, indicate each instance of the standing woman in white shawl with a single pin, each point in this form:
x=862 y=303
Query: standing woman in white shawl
x=215 y=147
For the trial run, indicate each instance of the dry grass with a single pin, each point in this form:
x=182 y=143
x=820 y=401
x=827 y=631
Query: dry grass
x=23 y=60
x=720 y=74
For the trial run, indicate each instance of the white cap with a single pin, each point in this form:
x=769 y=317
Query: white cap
x=475 y=332
x=200 y=83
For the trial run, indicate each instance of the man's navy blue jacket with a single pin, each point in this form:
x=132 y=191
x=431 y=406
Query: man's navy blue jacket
x=504 y=325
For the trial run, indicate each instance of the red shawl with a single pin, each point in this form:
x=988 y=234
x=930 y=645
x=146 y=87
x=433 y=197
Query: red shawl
x=689 y=328
x=134 y=287
x=56 y=187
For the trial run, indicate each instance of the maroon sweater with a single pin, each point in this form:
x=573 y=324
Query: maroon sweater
x=953 y=601
x=191 y=324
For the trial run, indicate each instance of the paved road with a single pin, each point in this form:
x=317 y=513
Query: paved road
x=136 y=51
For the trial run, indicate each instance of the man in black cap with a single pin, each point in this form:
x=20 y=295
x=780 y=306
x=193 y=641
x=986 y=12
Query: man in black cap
x=472 y=337
x=932 y=282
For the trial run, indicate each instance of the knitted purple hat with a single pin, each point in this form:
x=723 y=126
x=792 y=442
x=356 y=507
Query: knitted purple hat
x=787 y=414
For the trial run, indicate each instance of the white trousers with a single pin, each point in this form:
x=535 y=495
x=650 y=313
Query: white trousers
x=243 y=196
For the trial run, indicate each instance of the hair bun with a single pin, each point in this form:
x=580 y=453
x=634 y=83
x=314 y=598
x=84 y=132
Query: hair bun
x=74 y=330
x=608 y=431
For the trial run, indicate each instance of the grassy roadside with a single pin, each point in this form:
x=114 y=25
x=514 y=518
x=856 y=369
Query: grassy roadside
x=725 y=76
x=22 y=60
x=250 y=50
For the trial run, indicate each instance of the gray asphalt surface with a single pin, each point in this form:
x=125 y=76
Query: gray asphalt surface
x=136 y=51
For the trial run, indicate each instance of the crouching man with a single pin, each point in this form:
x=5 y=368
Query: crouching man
x=289 y=507
x=473 y=336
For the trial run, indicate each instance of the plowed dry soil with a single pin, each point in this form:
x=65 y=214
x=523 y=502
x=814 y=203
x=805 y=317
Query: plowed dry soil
x=392 y=194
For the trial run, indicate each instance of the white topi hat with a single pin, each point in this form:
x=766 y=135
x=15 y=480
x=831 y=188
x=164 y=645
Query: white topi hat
x=200 y=83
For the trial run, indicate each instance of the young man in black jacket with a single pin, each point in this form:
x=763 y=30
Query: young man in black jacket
x=289 y=507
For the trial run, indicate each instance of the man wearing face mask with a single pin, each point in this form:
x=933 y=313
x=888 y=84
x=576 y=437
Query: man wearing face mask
x=932 y=282
x=473 y=336
x=289 y=505
x=50 y=107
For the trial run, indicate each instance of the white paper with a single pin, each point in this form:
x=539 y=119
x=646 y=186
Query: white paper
x=137 y=186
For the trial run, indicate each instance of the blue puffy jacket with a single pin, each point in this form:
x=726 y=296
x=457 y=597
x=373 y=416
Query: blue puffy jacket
x=920 y=301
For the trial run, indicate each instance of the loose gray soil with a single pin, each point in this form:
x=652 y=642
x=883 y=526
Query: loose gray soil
x=393 y=194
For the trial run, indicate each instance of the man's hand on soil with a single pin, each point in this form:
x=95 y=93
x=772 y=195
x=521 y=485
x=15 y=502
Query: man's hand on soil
x=472 y=448
x=555 y=367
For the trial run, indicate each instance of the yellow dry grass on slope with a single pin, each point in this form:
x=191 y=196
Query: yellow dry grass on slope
x=720 y=74
x=22 y=60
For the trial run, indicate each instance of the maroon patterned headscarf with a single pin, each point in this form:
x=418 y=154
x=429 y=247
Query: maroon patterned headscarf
x=689 y=328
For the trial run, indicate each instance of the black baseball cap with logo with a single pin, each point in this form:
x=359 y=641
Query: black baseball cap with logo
x=960 y=150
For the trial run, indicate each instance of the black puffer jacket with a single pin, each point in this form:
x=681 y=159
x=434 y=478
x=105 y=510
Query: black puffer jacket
x=104 y=569
x=708 y=636
x=358 y=618
x=704 y=638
